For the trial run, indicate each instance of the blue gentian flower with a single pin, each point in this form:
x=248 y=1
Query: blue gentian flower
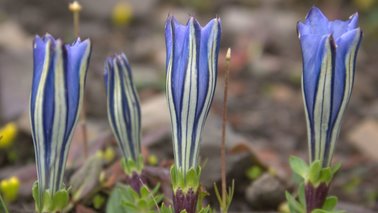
x=123 y=106
x=192 y=63
x=56 y=97
x=329 y=50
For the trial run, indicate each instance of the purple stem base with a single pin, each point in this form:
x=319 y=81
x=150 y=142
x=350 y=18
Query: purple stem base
x=136 y=181
x=315 y=196
x=185 y=201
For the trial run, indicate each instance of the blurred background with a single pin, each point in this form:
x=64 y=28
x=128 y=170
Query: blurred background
x=266 y=116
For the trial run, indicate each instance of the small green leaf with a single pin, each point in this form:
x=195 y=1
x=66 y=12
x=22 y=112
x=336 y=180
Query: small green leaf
x=330 y=203
x=60 y=200
x=156 y=189
x=325 y=175
x=294 y=205
x=254 y=172
x=207 y=209
x=298 y=166
x=192 y=180
x=180 y=179
x=47 y=201
x=144 y=191
x=301 y=195
x=335 y=168
x=142 y=204
x=173 y=177
x=114 y=202
x=98 y=201
x=35 y=194
x=166 y=209
x=3 y=207
x=217 y=194
x=314 y=172
x=129 y=207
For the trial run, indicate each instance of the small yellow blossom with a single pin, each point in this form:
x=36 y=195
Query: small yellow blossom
x=9 y=188
x=109 y=154
x=122 y=14
x=7 y=135
x=152 y=160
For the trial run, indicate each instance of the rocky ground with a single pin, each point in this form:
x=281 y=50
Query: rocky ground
x=266 y=116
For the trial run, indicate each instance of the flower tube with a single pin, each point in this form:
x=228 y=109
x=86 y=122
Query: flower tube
x=192 y=62
x=56 y=97
x=124 y=115
x=329 y=52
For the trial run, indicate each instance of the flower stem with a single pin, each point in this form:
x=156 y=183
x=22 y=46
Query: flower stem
x=75 y=8
x=137 y=181
x=315 y=196
x=223 y=144
x=185 y=200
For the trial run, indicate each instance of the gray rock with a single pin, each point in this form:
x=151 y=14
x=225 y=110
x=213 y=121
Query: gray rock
x=267 y=192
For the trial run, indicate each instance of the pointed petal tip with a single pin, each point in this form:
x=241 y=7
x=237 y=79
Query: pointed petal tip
x=169 y=19
x=354 y=15
x=315 y=13
x=353 y=20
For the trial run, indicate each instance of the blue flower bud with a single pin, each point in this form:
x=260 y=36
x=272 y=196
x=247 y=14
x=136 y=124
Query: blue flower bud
x=192 y=63
x=329 y=50
x=56 y=97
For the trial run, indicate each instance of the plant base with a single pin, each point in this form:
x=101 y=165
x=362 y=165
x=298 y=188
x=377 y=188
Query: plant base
x=136 y=181
x=185 y=201
x=315 y=196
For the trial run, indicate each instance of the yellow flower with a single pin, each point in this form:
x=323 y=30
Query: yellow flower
x=122 y=14
x=109 y=154
x=9 y=188
x=152 y=160
x=7 y=135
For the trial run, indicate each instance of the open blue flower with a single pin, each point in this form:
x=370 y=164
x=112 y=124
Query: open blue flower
x=56 y=96
x=123 y=106
x=329 y=51
x=192 y=62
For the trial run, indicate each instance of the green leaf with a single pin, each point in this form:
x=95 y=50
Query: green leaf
x=298 y=166
x=180 y=179
x=114 y=202
x=330 y=203
x=142 y=204
x=98 y=201
x=166 y=209
x=173 y=177
x=314 y=172
x=60 y=200
x=294 y=205
x=35 y=194
x=144 y=191
x=156 y=189
x=217 y=194
x=254 y=172
x=201 y=196
x=207 y=209
x=325 y=175
x=47 y=201
x=86 y=180
x=192 y=179
x=335 y=168
x=230 y=194
x=3 y=207
x=302 y=195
